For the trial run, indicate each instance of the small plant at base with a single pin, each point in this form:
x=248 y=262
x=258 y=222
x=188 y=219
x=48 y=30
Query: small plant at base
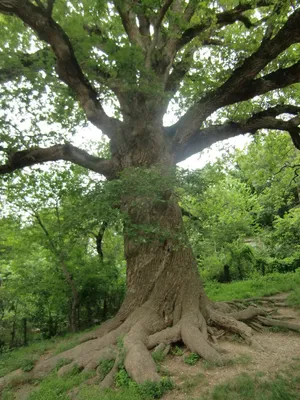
x=155 y=390
x=191 y=359
x=122 y=379
x=122 y=352
x=104 y=367
x=158 y=356
x=177 y=351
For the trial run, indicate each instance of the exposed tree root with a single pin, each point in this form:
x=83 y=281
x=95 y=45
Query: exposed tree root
x=279 y=323
x=144 y=329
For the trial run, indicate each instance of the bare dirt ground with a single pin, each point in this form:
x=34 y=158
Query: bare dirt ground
x=274 y=352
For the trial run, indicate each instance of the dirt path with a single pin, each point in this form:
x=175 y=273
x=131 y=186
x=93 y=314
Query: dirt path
x=274 y=352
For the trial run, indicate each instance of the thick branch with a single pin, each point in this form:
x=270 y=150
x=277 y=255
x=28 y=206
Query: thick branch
x=267 y=119
x=242 y=84
x=222 y=19
x=67 y=65
x=129 y=22
x=67 y=152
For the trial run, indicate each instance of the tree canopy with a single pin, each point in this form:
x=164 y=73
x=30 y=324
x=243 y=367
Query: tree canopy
x=195 y=58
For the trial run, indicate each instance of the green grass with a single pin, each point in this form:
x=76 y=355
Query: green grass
x=258 y=286
x=282 y=386
x=57 y=388
x=25 y=357
x=294 y=299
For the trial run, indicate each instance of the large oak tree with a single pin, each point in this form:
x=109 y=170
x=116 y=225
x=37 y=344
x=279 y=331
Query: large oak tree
x=232 y=67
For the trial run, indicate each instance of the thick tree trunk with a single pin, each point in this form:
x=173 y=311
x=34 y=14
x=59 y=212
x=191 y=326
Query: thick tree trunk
x=161 y=271
x=165 y=301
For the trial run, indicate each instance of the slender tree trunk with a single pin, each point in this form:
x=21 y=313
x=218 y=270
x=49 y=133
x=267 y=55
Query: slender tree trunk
x=25 y=340
x=104 y=309
x=73 y=315
x=75 y=297
x=13 y=334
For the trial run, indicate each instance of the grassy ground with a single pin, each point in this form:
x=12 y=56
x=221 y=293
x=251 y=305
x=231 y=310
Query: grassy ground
x=284 y=385
x=258 y=286
x=25 y=357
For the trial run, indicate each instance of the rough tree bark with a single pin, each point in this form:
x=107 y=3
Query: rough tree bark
x=165 y=301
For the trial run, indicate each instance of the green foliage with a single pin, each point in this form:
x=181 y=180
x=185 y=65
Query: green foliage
x=177 y=351
x=158 y=356
x=12 y=360
x=57 y=388
x=293 y=299
x=27 y=365
x=104 y=367
x=191 y=359
x=147 y=390
x=122 y=379
x=258 y=286
x=155 y=390
x=16 y=358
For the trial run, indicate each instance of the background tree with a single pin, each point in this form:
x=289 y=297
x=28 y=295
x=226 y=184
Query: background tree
x=231 y=67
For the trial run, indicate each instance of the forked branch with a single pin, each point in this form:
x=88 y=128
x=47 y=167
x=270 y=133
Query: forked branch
x=67 y=65
x=267 y=119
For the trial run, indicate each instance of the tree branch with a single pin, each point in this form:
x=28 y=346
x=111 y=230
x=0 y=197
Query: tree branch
x=99 y=239
x=129 y=23
x=180 y=69
x=222 y=19
x=163 y=11
x=190 y=10
x=242 y=84
x=267 y=119
x=66 y=152
x=67 y=65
